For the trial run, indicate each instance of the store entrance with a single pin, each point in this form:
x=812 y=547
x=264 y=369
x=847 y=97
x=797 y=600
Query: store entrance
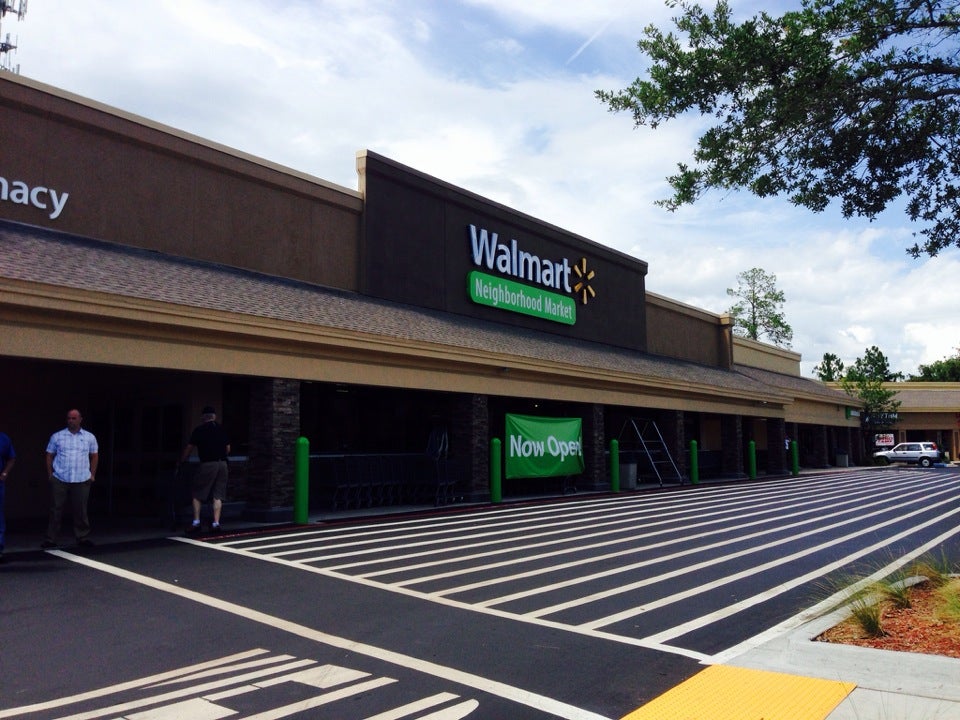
x=141 y=418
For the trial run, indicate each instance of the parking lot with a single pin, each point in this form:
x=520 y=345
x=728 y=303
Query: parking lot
x=584 y=608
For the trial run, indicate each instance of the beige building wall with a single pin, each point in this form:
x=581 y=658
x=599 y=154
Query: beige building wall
x=765 y=356
x=682 y=331
x=929 y=411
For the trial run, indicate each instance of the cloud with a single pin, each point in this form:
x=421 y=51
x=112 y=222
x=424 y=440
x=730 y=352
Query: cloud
x=497 y=97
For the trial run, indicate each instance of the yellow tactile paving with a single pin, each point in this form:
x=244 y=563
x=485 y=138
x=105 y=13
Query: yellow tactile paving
x=722 y=692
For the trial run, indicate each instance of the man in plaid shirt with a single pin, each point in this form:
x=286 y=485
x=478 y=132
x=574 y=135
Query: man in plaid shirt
x=72 y=456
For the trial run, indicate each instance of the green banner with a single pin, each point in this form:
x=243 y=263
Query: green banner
x=516 y=297
x=543 y=447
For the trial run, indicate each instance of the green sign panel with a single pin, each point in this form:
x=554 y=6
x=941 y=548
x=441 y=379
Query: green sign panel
x=516 y=297
x=543 y=447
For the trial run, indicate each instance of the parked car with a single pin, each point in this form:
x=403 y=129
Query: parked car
x=924 y=454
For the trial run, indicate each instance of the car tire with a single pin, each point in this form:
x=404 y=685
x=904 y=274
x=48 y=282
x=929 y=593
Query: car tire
x=925 y=462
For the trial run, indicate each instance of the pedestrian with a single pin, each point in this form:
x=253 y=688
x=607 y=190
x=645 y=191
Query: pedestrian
x=72 y=456
x=210 y=441
x=7 y=458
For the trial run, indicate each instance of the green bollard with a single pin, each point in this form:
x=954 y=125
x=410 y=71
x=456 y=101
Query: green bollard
x=794 y=458
x=694 y=464
x=615 y=465
x=752 y=460
x=496 y=475
x=301 y=487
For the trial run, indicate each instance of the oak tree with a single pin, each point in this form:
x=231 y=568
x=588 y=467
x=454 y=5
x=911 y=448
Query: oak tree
x=946 y=370
x=854 y=101
x=865 y=380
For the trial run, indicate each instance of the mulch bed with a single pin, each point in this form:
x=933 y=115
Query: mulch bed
x=921 y=628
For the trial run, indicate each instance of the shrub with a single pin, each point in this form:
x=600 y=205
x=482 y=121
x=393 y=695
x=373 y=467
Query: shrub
x=937 y=570
x=867 y=611
x=895 y=591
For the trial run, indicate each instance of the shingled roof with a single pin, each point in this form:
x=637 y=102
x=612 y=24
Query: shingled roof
x=797 y=386
x=39 y=255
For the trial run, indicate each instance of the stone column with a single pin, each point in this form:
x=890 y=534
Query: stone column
x=776 y=446
x=274 y=429
x=674 y=436
x=470 y=446
x=731 y=456
x=819 y=453
x=595 y=471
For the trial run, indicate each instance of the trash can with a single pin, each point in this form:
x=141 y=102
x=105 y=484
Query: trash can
x=843 y=460
x=628 y=476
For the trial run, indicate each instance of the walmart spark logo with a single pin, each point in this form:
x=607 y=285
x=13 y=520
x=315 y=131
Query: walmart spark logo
x=582 y=288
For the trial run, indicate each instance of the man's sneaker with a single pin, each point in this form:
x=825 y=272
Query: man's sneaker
x=48 y=544
x=216 y=528
x=85 y=543
x=193 y=529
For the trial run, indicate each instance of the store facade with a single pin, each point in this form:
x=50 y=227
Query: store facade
x=147 y=273
x=927 y=411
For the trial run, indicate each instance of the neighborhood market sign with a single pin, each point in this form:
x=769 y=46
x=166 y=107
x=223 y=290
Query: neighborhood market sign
x=498 y=292
x=543 y=447
x=524 y=282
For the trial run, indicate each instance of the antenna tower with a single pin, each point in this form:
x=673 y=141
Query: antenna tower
x=17 y=8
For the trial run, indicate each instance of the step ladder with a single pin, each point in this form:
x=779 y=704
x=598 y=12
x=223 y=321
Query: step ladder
x=643 y=437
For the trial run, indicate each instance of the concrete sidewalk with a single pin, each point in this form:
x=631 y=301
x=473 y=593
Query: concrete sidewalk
x=890 y=685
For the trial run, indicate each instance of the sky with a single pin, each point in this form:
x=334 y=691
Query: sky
x=497 y=97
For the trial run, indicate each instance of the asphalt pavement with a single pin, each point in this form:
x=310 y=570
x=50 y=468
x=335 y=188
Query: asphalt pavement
x=888 y=684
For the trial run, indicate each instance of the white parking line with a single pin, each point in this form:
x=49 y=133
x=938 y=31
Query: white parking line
x=841 y=597
x=620 y=589
x=862 y=552
x=719 y=518
x=632 y=550
x=705 y=620
x=835 y=495
x=415 y=706
x=161 y=678
x=358 y=536
x=493 y=687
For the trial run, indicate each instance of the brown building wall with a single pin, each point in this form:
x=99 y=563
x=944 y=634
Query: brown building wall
x=134 y=182
x=687 y=333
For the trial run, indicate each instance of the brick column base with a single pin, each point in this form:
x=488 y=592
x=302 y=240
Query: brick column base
x=731 y=438
x=470 y=446
x=274 y=429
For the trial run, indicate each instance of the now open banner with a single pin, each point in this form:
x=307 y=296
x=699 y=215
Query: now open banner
x=543 y=447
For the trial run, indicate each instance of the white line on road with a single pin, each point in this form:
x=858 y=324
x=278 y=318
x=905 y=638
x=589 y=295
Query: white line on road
x=615 y=538
x=710 y=618
x=494 y=687
x=636 y=549
x=159 y=679
x=629 y=587
x=840 y=597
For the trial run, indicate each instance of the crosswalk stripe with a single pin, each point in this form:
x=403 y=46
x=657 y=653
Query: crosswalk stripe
x=553 y=550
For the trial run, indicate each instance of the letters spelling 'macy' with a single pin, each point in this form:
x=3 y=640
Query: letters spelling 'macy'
x=17 y=191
